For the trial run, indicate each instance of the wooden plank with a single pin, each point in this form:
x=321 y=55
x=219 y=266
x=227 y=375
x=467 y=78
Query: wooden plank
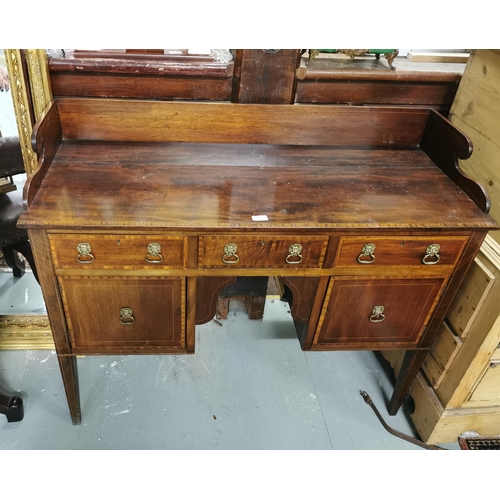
x=376 y=92
x=140 y=86
x=442 y=353
x=487 y=392
x=470 y=298
x=163 y=121
x=438 y=57
x=428 y=410
x=265 y=77
x=496 y=357
x=437 y=425
x=477 y=101
x=476 y=111
x=483 y=166
x=478 y=347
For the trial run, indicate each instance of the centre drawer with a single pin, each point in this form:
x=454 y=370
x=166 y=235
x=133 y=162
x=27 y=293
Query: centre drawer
x=71 y=251
x=262 y=251
x=387 y=251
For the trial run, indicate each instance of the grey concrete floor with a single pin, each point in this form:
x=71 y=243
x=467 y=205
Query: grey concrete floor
x=248 y=387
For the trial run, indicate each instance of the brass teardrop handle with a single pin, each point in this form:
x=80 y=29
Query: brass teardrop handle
x=126 y=316
x=154 y=256
x=84 y=253
x=366 y=256
x=377 y=314
x=294 y=253
x=431 y=255
x=230 y=253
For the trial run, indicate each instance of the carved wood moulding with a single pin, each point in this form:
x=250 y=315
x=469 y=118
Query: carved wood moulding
x=25 y=332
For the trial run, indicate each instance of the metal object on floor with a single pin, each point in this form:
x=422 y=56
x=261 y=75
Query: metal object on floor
x=474 y=441
x=410 y=439
x=12 y=408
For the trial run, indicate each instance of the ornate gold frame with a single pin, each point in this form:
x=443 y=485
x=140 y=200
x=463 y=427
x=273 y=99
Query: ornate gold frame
x=27 y=331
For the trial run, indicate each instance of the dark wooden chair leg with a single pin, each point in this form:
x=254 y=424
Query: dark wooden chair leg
x=12 y=408
x=13 y=261
x=24 y=248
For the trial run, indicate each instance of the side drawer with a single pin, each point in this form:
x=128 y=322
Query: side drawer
x=399 y=251
x=119 y=314
x=376 y=313
x=251 y=251
x=487 y=391
x=118 y=251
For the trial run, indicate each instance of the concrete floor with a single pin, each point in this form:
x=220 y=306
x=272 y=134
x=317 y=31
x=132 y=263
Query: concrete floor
x=248 y=387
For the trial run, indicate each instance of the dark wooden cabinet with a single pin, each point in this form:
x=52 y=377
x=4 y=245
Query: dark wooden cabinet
x=141 y=212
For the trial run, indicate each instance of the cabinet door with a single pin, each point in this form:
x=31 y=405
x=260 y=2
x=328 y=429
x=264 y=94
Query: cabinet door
x=111 y=314
x=375 y=313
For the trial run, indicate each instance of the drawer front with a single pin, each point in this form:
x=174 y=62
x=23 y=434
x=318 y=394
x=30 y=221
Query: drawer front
x=423 y=251
x=376 y=313
x=251 y=251
x=110 y=313
x=487 y=391
x=118 y=251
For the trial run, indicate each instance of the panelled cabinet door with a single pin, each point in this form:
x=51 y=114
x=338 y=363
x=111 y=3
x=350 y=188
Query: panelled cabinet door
x=376 y=312
x=119 y=314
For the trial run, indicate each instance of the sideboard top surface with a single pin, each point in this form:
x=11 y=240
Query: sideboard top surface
x=196 y=185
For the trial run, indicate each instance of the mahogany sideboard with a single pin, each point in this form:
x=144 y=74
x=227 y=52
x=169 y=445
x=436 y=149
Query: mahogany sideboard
x=141 y=212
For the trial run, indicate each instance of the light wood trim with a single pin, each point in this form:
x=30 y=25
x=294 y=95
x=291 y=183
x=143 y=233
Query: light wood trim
x=479 y=345
x=441 y=355
x=437 y=425
x=439 y=57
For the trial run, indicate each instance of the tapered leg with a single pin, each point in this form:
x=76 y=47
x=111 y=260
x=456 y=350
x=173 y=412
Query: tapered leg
x=69 y=372
x=50 y=289
x=411 y=364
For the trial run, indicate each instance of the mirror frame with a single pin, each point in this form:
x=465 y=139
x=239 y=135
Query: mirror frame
x=27 y=331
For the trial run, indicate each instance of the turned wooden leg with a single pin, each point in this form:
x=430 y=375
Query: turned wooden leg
x=409 y=369
x=12 y=408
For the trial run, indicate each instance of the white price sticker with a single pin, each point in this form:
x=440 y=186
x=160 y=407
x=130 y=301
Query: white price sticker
x=257 y=218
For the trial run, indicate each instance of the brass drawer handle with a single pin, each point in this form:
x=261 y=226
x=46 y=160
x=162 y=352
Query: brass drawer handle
x=367 y=252
x=126 y=316
x=432 y=252
x=84 y=252
x=377 y=314
x=230 y=253
x=154 y=256
x=294 y=252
